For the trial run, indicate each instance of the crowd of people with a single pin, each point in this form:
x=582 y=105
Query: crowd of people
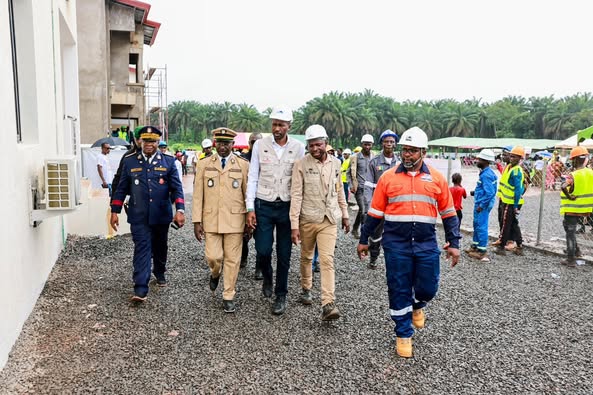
x=282 y=193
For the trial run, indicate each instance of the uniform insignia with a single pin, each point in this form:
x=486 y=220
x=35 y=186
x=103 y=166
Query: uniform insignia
x=161 y=181
x=136 y=182
x=154 y=163
x=235 y=184
x=160 y=169
x=139 y=157
x=158 y=157
x=235 y=170
x=136 y=169
x=210 y=183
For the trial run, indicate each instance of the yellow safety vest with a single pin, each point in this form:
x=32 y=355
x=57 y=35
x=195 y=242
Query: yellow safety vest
x=583 y=191
x=506 y=192
x=345 y=165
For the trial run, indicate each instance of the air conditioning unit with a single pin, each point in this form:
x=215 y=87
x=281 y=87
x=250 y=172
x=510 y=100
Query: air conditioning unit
x=60 y=183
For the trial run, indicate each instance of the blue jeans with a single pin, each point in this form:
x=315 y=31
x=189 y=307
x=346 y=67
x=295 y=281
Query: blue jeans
x=272 y=215
x=412 y=281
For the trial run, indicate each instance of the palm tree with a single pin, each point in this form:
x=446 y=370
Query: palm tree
x=247 y=119
x=461 y=121
x=558 y=122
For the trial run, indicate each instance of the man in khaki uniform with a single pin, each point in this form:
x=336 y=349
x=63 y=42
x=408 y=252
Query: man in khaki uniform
x=317 y=202
x=218 y=212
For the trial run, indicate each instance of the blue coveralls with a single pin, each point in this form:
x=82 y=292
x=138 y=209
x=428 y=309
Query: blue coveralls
x=412 y=256
x=484 y=197
x=152 y=187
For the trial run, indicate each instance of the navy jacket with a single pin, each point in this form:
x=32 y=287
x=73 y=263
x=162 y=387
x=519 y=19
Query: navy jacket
x=151 y=187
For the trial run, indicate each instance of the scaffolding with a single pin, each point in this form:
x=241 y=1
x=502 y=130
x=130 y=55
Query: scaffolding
x=155 y=92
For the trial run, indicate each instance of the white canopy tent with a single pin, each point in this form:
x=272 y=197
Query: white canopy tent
x=571 y=142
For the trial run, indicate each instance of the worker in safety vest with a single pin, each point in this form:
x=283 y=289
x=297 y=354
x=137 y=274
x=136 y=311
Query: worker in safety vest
x=576 y=201
x=510 y=192
x=409 y=198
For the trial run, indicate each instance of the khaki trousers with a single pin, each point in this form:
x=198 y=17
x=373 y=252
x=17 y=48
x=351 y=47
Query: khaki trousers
x=227 y=247
x=324 y=234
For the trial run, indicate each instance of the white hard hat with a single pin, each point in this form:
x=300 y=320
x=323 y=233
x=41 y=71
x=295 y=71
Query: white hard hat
x=414 y=137
x=367 y=138
x=486 y=154
x=315 y=132
x=347 y=151
x=281 y=114
x=206 y=143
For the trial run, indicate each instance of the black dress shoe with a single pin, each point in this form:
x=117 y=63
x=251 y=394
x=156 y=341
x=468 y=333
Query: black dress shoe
x=267 y=288
x=258 y=274
x=161 y=280
x=214 y=283
x=228 y=306
x=279 y=306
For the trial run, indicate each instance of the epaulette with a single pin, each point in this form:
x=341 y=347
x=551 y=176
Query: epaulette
x=168 y=154
x=130 y=154
x=240 y=157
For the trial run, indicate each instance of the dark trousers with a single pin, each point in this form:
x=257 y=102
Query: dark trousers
x=150 y=241
x=570 y=227
x=510 y=226
x=375 y=241
x=270 y=216
x=460 y=217
x=362 y=209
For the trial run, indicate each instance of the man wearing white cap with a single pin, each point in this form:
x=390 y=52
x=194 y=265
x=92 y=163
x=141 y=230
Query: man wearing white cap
x=357 y=176
x=268 y=203
x=206 y=148
x=484 y=198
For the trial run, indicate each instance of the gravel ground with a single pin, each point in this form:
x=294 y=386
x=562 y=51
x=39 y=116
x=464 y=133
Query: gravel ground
x=515 y=325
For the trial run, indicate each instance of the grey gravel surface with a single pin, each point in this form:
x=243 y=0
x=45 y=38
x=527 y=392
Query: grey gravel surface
x=515 y=325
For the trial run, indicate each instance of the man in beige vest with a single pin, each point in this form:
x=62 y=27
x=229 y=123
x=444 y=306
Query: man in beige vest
x=218 y=212
x=268 y=203
x=317 y=203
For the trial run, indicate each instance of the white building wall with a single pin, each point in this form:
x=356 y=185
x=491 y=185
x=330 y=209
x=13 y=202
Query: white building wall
x=28 y=253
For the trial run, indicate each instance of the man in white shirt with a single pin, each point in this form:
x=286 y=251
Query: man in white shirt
x=268 y=203
x=103 y=167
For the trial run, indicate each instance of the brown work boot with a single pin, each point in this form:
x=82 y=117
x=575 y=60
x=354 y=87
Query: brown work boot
x=500 y=251
x=403 y=347
x=418 y=318
x=476 y=254
x=496 y=243
x=471 y=249
x=518 y=250
x=569 y=262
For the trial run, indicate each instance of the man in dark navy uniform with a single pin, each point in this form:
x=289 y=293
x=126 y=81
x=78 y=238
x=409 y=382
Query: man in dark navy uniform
x=152 y=181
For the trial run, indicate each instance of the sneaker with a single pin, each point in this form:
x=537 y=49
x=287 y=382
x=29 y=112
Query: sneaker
x=518 y=250
x=403 y=347
x=355 y=234
x=418 y=318
x=161 y=280
x=228 y=306
x=330 y=312
x=214 y=283
x=569 y=262
x=279 y=306
x=306 y=297
x=316 y=267
x=477 y=254
x=372 y=263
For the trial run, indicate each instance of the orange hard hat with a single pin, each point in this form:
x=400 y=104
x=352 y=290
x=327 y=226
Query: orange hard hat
x=518 y=150
x=579 y=150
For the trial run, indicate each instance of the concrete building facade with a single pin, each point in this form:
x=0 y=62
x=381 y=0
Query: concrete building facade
x=39 y=117
x=111 y=77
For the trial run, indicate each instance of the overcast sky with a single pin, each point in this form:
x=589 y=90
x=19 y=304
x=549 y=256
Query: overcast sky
x=286 y=52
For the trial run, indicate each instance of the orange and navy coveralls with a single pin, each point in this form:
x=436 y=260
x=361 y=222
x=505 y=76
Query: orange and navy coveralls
x=410 y=204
